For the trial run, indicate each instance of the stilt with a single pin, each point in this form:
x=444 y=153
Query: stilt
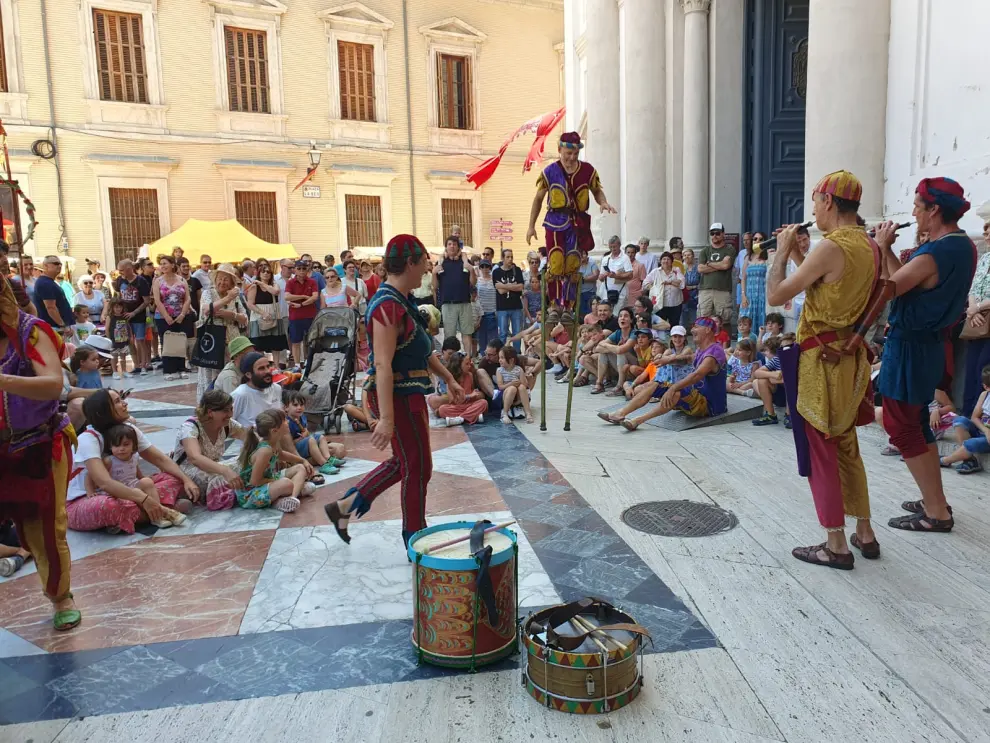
x=574 y=352
x=543 y=350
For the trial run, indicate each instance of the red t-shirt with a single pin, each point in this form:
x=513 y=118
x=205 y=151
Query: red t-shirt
x=301 y=288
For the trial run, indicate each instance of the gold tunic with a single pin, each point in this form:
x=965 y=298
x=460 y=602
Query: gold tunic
x=829 y=394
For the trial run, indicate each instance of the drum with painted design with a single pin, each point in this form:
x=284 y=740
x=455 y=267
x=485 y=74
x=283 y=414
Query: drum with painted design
x=584 y=679
x=451 y=623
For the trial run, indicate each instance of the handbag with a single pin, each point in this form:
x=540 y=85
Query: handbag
x=969 y=333
x=174 y=345
x=211 y=345
x=267 y=316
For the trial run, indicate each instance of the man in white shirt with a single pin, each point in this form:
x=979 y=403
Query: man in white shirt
x=616 y=271
x=258 y=393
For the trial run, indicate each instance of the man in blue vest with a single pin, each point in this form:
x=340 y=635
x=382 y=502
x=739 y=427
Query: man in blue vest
x=453 y=278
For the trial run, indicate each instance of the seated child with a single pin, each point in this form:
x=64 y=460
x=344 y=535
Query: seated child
x=363 y=418
x=774 y=327
x=766 y=381
x=264 y=484
x=123 y=467
x=314 y=447
x=746 y=331
x=642 y=349
x=85 y=365
x=742 y=363
x=657 y=349
x=972 y=434
x=593 y=334
x=532 y=301
x=677 y=361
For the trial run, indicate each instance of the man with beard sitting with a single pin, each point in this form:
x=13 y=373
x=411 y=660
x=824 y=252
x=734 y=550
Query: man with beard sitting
x=257 y=391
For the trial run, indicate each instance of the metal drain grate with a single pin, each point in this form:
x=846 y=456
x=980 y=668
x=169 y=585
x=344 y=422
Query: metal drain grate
x=679 y=518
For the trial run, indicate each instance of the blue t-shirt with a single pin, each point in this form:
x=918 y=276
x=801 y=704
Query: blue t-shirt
x=45 y=289
x=89 y=380
x=339 y=268
x=772 y=364
x=616 y=338
x=914 y=353
x=300 y=428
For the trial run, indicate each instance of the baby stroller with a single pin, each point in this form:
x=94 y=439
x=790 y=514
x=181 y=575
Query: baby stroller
x=329 y=381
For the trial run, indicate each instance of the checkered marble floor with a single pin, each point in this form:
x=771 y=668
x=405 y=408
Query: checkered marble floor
x=240 y=604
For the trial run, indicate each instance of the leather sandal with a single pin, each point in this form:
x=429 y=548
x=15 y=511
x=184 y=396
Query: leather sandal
x=810 y=555
x=869 y=550
x=333 y=513
x=917 y=506
x=67 y=619
x=922 y=522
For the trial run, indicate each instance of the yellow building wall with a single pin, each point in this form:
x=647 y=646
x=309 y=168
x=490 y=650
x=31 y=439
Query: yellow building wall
x=517 y=74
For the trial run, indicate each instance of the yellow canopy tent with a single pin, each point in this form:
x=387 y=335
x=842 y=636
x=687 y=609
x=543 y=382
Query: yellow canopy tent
x=227 y=241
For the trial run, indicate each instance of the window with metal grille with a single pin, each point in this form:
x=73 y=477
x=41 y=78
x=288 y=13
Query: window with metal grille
x=120 y=56
x=247 y=70
x=133 y=220
x=258 y=212
x=454 y=91
x=364 y=221
x=3 y=60
x=457 y=211
x=357 y=81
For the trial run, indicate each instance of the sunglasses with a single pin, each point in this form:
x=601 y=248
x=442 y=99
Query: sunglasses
x=715 y=232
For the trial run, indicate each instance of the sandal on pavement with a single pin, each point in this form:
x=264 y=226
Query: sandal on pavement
x=597 y=390
x=917 y=506
x=942 y=463
x=288 y=504
x=869 y=550
x=890 y=451
x=922 y=522
x=66 y=619
x=615 y=392
x=607 y=417
x=581 y=382
x=628 y=425
x=969 y=467
x=810 y=555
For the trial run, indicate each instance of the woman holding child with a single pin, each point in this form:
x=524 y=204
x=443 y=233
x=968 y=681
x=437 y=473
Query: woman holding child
x=98 y=501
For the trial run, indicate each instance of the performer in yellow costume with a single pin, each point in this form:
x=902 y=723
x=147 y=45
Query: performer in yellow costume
x=837 y=277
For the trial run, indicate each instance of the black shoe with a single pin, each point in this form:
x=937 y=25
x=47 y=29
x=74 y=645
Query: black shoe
x=787 y=422
x=333 y=513
x=767 y=419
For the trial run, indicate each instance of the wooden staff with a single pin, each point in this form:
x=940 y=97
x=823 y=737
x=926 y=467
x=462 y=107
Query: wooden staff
x=436 y=547
x=589 y=627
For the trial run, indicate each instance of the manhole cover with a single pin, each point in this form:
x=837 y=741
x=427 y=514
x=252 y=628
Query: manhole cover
x=679 y=518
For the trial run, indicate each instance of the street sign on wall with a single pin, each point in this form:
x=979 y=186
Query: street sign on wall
x=311 y=192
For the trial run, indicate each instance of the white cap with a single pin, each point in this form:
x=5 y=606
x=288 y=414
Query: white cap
x=100 y=344
x=678 y=330
x=716 y=226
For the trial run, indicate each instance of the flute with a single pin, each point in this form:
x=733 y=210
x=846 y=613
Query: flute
x=771 y=241
x=873 y=232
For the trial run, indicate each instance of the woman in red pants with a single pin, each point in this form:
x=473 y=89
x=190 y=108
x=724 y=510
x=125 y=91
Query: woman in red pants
x=398 y=382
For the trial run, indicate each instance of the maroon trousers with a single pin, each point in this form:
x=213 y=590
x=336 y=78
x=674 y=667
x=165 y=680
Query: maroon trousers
x=411 y=461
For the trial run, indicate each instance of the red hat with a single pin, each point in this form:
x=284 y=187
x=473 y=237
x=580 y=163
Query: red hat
x=943 y=192
x=571 y=140
x=404 y=246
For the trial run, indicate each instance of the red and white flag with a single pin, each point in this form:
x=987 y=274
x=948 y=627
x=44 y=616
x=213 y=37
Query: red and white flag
x=541 y=126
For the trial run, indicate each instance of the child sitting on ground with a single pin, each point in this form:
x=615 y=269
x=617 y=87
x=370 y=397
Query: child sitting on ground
x=314 y=447
x=642 y=349
x=85 y=365
x=972 y=434
x=773 y=328
x=362 y=419
x=657 y=349
x=511 y=380
x=264 y=485
x=742 y=364
x=768 y=382
x=593 y=334
x=745 y=328
x=122 y=464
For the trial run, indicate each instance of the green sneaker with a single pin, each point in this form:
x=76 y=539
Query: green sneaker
x=335 y=462
x=767 y=419
x=329 y=469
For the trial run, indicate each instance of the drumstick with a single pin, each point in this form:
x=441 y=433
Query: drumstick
x=579 y=627
x=589 y=627
x=466 y=537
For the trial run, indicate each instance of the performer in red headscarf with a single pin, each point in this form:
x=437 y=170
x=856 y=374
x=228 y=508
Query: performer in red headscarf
x=566 y=184
x=397 y=385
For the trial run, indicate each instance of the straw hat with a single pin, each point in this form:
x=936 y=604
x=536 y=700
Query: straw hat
x=227 y=269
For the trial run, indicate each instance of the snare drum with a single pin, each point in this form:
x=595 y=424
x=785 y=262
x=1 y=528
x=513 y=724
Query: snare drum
x=569 y=674
x=452 y=625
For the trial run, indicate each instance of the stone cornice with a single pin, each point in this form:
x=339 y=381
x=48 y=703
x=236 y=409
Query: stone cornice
x=696 y=6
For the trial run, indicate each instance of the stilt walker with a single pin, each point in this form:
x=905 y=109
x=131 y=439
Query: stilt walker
x=565 y=185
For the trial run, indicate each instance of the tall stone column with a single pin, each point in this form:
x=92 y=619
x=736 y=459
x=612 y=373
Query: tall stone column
x=602 y=44
x=847 y=96
x=644 y=192
x=696 y=91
